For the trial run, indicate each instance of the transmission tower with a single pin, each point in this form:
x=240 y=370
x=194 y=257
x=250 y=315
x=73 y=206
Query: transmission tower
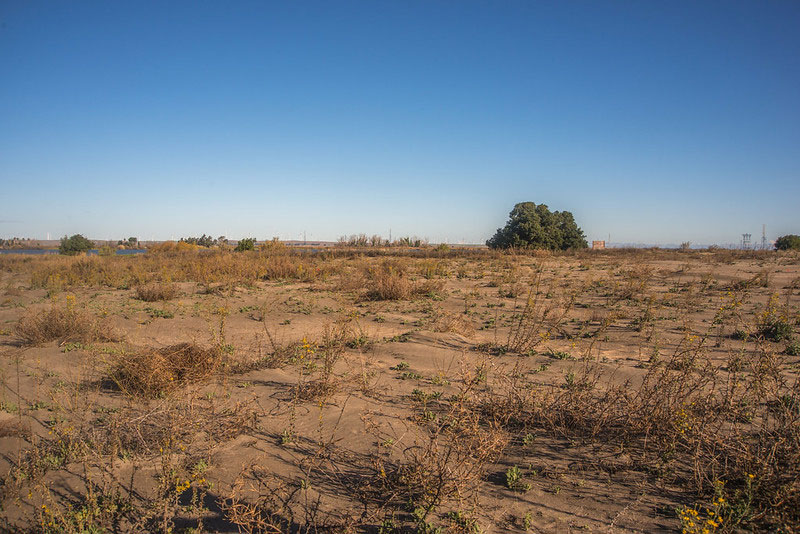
x=746 y=241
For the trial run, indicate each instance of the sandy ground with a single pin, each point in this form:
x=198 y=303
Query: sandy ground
x=261 y=429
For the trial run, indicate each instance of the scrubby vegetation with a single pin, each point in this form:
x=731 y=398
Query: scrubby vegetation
x=409 y=390
x=154 y=291
x=62 y=321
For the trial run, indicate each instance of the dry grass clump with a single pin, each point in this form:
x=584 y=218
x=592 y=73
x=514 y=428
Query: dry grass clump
x=458 y=323
x=61 y=323
x=150 y=372
x=390 y=281
x=155 y=291
x=389 y=285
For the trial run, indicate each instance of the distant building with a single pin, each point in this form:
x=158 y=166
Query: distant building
x=598 y=245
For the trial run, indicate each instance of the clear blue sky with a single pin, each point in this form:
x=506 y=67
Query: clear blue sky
x=656 y=122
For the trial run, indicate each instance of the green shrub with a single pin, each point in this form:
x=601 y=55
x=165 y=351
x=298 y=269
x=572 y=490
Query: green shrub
x=535 y=227
x=788 y=242
x=77 y=244
x=248 y=243
x=776 y=330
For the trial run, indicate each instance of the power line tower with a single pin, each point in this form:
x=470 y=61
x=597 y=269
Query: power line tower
x=746 y=241
x=763 y=237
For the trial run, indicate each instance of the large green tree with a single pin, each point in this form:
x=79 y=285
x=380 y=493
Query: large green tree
x=76 y=244
x=532 y=226
x=788 y=242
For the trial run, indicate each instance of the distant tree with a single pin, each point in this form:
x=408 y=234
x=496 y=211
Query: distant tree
x=535 y=227
x=133 y=242
x=788 y=242
x=203 y=241
x=248 y=243
x=76 y=244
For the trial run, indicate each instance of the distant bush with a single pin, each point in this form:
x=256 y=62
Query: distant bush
x=203 y=241
x=172 y=246
x=410 y=242
x=535 y=227
x=106 y=250
x=248 y=243
x=77 y=244
x=788 y=242
x=362 y=240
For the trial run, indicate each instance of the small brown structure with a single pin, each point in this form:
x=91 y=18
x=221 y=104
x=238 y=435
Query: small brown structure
x=598 y=245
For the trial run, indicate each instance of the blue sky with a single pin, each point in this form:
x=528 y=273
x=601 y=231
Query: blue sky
x=654 y=122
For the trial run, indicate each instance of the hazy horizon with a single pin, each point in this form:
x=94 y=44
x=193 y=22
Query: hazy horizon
x=652 y=123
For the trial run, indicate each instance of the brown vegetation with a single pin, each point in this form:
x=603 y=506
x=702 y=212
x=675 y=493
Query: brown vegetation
x=155 y=291
x=61 y=322
x=397 y=391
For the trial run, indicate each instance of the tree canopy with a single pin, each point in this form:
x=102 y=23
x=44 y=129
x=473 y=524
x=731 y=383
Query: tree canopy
x=788 y=242
x=248 y=243
x=76 y=244
x=532 y=226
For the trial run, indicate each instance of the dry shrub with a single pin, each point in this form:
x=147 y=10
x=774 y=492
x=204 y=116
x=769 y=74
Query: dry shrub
x=173 y=247
x=732 y=428
x=156 y=291
x=634 y=284
x=279 y=267
x=429 y=288
x=150 y=372
x=138 y=429
x=141 y=429
x=352 y=278
x=388 y=284
x=260 y=502
x=434 y=268
x=316 y=389
x=62 y=323
x=444 y=321
x=445 y=461
x=390 y=281
x=539 y=319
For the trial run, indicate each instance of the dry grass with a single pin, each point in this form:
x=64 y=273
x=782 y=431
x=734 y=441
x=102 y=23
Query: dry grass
x=63 y=323
x=390 y=280
x=155 y=291
x=148 y=372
